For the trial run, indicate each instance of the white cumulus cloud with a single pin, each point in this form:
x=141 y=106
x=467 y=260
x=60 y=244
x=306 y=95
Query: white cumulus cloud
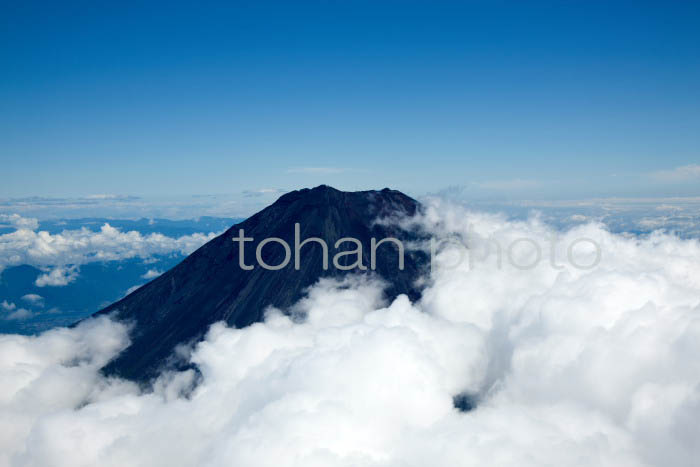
x=61 y=254
x=57 y=277
x=567 y=366
x=18 y=222
x=151 y=274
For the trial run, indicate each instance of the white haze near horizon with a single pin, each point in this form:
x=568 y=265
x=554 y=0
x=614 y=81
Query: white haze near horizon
x=570 y=367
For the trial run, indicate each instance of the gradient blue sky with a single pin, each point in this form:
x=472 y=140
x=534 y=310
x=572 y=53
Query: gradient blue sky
x=498 y=99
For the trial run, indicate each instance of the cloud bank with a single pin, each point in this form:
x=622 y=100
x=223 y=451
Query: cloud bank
x=60 y=255
x=679 y=174
x=567 y=367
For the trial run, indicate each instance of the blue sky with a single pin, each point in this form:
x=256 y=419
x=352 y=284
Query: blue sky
x=540 y=100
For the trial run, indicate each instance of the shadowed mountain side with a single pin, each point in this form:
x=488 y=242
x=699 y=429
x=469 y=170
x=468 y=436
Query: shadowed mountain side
x=209 y=286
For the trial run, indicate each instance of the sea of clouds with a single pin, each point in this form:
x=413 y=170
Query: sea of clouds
x=60 y=255
x=566 y=366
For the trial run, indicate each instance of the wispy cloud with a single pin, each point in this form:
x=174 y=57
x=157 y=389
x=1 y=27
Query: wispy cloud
x=488 y=187
x=263 y=192
x=19 y=315
x=684 y=173
x=107 y=196
x=132 y=289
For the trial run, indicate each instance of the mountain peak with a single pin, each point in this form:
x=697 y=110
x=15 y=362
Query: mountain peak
x=318 y=190
x=329 y=191
x=210 y=285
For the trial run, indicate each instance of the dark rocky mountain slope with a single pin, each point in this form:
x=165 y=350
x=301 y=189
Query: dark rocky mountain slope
x=209 y=285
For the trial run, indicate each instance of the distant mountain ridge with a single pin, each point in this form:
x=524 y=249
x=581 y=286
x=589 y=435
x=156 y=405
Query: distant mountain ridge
x=209 y=286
